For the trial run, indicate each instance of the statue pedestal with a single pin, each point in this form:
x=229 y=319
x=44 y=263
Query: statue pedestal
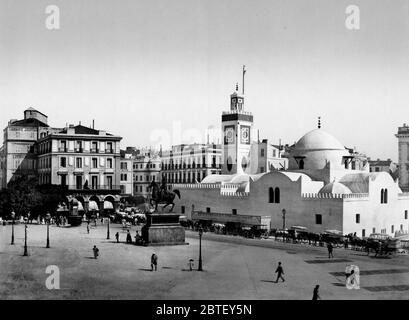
x=163 y=229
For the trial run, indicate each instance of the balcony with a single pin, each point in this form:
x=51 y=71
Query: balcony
x=93 y=150
x=62 y=149
x=78 y=150
x=109 y=151
x=94 y=188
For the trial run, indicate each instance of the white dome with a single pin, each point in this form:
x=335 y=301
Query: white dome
x=335 y=188
x=318 y=139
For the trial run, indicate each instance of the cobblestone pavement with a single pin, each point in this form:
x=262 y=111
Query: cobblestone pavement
x=234 y=268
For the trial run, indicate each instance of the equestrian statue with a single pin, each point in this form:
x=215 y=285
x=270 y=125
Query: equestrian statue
x=161 y=194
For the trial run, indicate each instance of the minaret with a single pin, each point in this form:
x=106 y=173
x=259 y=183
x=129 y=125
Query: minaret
x=237 y=125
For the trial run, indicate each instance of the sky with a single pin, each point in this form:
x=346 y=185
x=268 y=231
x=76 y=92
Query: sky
x=161 y=71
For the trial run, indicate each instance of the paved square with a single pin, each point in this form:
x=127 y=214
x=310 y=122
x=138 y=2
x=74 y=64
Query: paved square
x=234 y=268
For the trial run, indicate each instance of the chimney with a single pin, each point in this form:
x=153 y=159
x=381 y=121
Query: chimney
x=93 y=124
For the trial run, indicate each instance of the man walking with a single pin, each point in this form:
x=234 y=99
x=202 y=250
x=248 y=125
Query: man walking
x=154 y=262
x=88 y=228
x=96 y=252
x=117 y=237
x=279 y=272
x=316 y=295
x=330 y=249
x=128 y=237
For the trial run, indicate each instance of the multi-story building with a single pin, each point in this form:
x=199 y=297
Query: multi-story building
x=146 y=168
x=382 y=166
x=191 y=163
x=266 y=157
x=18 y=157
x=403 y=162
x=86 y=161
x=126 y=174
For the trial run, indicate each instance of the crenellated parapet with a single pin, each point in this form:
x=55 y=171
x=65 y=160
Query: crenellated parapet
x=196 y=186
x=235 y=194
x=312 y=196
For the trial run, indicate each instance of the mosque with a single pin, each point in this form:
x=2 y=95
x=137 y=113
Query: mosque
x=325 y=187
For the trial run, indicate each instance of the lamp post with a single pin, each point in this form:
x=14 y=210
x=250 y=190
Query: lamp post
x=200 y=268
x=48 y=217
x=283 y=211
x=13 y=215
x=25 y=240
x=108 y=228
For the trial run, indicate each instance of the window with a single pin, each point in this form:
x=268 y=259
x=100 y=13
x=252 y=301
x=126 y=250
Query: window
x=63 y=162
x=63 y=180
x=401 y=227
x=109 y=163
x=183 y=209
x=109 y=182
x=208 y=210
x=234 y=211
x=384 y=195
x=94 y=146
x=79 y=182
x=301 y=164
x=392 y=229
x=363 y=232
x=406 y=214
x=261 y=169
x=63 y=147
x=277 y=195
x=78 y=162
x=376 y=169
x=94 y=163
x=318 y=219
x=78 y=146
x=262 y=152
x=124 y=166
x=357 y=218
x=373 y=230
x=109 y=147
x=94 y=182
x=270 y=195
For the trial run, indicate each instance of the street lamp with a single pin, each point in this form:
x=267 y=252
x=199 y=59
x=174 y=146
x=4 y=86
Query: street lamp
x=283 y=211
x=108 y=228
x=25 y=240
x=48 y=217
x=13 y=215
x=200 y=268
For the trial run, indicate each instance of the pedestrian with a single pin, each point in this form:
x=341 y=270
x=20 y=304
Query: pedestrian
x=279 y=272
x=96 y=252
x=117 y=237
x=316 y=295
x=154 y=262
x=330 y=249
x=128 y=237
x=88 y=228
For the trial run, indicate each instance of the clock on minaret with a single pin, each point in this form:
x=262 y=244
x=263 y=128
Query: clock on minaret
x=229 y=134
x=245 y=134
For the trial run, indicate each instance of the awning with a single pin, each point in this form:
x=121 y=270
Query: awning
x=299 y=228
x=336 y=232
x=80 y=207
x=108 y=205
x=93 y=206
x=182 y=218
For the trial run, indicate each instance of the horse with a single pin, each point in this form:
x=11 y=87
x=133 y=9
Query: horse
x=167 y=197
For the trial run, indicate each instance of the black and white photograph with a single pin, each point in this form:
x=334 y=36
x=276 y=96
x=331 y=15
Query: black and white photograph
x=204 y=150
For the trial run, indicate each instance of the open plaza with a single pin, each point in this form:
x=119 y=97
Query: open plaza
x=233 y=268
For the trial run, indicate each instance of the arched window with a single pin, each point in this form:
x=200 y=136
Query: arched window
x=277 y=195
x=385 y=196
x=270 y=195
x=381 y=195
x=301 y=165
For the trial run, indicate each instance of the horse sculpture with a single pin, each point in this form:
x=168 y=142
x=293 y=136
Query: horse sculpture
x=159 y=197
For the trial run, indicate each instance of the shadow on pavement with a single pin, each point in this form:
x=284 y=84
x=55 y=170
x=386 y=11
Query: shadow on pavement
x=271 y=281
x=141 y=269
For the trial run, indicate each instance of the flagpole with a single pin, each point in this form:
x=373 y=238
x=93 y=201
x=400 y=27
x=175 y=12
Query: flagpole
x=244 y=71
